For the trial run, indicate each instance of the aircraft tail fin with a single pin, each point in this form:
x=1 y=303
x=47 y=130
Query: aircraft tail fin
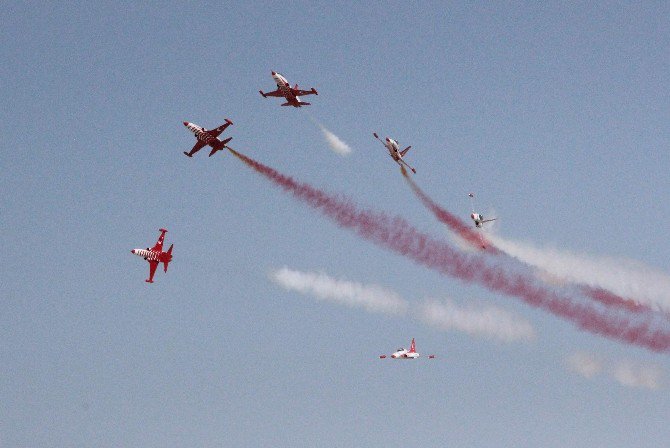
x=412 y=348
x=169 y=259
x=219 y=146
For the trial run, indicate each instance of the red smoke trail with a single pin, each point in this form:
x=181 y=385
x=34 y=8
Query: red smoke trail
x=396 y=234
x=452 y=221
x=600 y=295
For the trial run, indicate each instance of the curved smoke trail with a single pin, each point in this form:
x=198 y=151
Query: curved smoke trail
x=456 y=225
x=396 y=234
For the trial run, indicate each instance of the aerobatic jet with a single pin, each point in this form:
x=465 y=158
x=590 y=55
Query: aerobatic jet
x=208 y=138
x=394 y=151
x=292 y=94
x=403 y=353
x=155 y=255
x=476 y=217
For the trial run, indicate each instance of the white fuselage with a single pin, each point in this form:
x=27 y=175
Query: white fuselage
x=393 y=149
x=201 y=133
x=284 y=85
x=477 y=218
x=146 y=254
x=403 y=353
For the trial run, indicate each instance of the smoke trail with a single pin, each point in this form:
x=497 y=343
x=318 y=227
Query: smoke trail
x=335 y=143
x=585 y=364
x=452 y=221
x=500 y=247
x=490 y=321
x=625 y=372
x=372 y=298
x=623 y=277
x=631 y=374
x=397 y=235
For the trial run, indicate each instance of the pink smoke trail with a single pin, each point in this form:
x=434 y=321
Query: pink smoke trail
x=396 y=234
x=454 y=223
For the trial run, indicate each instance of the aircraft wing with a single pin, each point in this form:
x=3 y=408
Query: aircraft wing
x=153 y=264
x=159 y=244
x=488 y=220
x=298 y=92
x=198 y=146
x=216 y=132
x=274 y=93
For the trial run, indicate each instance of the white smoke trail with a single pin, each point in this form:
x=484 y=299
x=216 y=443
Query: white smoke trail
x=625 y=372
x=585 y=364
x=334 y=142
x=631 y=374
x=372 y=298
x=488 y=321
x=624 y=277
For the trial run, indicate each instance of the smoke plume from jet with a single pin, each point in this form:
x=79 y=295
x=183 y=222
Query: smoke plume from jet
x=596 y=279
x=397 y=235
x=372 y=298
x=490 y=322
x=334 y=142
x=625 y=372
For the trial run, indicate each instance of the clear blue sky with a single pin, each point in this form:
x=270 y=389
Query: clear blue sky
x=556 y=115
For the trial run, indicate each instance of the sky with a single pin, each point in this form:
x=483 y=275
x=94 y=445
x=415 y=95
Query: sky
x=268 y=326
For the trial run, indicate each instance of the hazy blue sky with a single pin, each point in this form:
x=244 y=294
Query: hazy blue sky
x=557 y=116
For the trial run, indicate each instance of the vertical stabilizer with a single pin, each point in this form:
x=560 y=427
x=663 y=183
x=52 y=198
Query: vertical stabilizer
x=412 y=348
x=169 y=258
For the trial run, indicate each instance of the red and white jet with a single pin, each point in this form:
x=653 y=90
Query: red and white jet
x=292 y=94
x=394 y=151
x=403 y=353
x=476 y=217
x=155 y=255
x=208 y=138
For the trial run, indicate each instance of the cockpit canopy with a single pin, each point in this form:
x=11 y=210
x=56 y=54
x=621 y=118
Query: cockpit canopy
x=401 y=349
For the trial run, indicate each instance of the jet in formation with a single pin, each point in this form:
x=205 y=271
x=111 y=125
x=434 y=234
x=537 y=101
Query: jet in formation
x=476 y=217
x=403 y=353
x=155 y=255
x=394 y=151
x=292 y=94
x=208 y=138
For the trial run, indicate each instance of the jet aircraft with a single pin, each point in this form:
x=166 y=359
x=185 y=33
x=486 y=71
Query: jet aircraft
x=394 y=151
x=155 y=255
x=208 y=138
x=292 y=94
x=403 y=353
x=476 y=217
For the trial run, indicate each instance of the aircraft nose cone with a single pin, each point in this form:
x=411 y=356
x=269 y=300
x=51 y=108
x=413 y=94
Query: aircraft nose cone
x=274 y=73
x=132 y=251
x=186 y=123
